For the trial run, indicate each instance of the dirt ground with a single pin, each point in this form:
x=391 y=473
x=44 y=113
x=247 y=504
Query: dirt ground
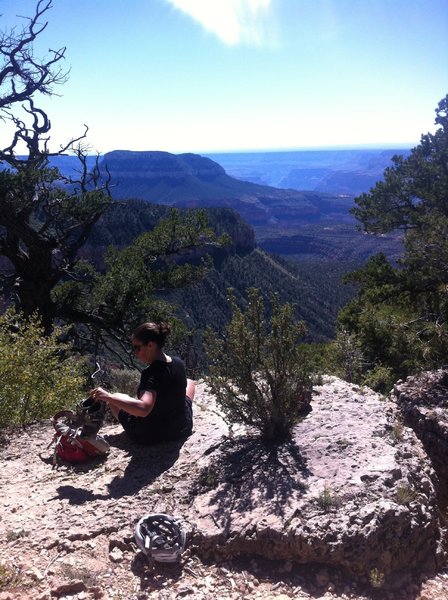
x=67 y=533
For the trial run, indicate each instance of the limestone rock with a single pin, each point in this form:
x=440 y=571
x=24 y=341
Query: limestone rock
x=116 y=555
x=423 y=402
x=342 y=492
x=71 y=587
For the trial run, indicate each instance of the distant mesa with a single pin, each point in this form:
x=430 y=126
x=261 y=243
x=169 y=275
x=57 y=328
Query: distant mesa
x=191 y=180
x=154 y=165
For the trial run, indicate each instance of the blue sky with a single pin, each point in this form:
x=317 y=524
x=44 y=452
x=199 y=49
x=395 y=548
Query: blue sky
x=224 y=75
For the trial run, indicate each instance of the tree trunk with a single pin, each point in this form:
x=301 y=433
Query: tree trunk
x=35 y=295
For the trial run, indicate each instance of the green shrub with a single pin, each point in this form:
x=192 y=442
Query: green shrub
x=405 y=494
x=37 y=374
x=376 y=578
x=323 y=358
x=124 y=380
x=397 y=431
x=349 y=356
x=259 y=373
x=8 y=577
x=380 y=378
x=328 y=499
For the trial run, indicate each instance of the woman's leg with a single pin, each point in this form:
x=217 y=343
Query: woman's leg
x=191 y=387
x=189 y=395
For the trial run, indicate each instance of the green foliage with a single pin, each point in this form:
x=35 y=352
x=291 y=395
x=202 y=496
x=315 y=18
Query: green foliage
x=9 y=577
x=379 y=378
x=349 y=355
x=397 y=431
x=46 y=218
x=415 y=187
x=124 y=380
x=395 y=331
x=111 y=301
x=205 y=301
x=125 y=221
x=108 y=298
x=17 y=534
x=258 y=372
x=37 y=375
x=332 y=244
x=328 y=499
x=405 y=494
x=322 y=359
x=273 y=276
x=400 y=314
x=342 y=357
x=52 y=221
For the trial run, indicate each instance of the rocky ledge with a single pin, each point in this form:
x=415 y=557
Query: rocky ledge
x=353 y=492
x=423 y=402
x=353 y=489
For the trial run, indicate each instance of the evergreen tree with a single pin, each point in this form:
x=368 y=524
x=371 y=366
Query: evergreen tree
x=400 y=313
x=258 y=370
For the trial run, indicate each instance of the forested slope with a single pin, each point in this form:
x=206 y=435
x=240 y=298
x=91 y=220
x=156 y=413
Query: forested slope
x=317 y=300
x=239 y=265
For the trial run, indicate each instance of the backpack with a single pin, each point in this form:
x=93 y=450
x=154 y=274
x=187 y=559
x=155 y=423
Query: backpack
x=76 y=438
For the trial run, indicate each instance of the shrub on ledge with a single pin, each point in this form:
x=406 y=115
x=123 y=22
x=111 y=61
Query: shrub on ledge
x=258 y=370
x=38 y=376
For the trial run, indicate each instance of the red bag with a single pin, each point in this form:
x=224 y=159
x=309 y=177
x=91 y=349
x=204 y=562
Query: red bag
x=70 y=445
x=69 y=449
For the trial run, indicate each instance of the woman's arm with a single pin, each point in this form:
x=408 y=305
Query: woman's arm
x=138 y=407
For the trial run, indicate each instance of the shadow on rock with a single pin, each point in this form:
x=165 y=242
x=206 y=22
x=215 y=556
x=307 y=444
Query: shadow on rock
x=145 y=465
x=245 y=465
x=75 y=495
x=154 y=576
x=83 y=467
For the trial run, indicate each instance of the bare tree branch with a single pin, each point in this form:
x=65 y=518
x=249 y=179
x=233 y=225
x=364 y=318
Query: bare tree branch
x=21 y=75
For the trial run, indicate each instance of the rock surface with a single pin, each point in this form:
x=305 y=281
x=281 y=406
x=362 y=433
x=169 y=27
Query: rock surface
x=346 y=508
x=345 y=492
x=423 y=402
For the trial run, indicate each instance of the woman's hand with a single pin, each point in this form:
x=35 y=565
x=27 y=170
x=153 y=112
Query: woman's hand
x=101 y=394
x=138 y=407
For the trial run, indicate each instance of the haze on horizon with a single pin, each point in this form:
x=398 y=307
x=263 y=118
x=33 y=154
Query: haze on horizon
x=244 y=75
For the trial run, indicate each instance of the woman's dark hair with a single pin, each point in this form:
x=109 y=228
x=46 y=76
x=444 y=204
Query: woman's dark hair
x=152 y=332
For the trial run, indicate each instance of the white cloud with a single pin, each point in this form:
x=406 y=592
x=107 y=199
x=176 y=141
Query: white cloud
x=233 y=21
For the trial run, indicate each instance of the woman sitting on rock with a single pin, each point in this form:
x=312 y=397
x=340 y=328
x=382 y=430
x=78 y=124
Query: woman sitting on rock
x=162 y=410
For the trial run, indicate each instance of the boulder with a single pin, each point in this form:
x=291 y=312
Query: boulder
x=345 y=491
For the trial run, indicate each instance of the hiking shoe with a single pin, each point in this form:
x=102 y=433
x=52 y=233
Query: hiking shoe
x=90 y=413
x=65 y=421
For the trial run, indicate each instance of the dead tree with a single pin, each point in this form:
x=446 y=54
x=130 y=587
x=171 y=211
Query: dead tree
x=45 y=218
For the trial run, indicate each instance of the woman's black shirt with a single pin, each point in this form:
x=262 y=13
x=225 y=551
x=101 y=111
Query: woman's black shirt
x=171 y=416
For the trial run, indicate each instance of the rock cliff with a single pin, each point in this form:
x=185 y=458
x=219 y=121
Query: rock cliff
x=155 y=165
x=347 y=492
x=423 y=402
